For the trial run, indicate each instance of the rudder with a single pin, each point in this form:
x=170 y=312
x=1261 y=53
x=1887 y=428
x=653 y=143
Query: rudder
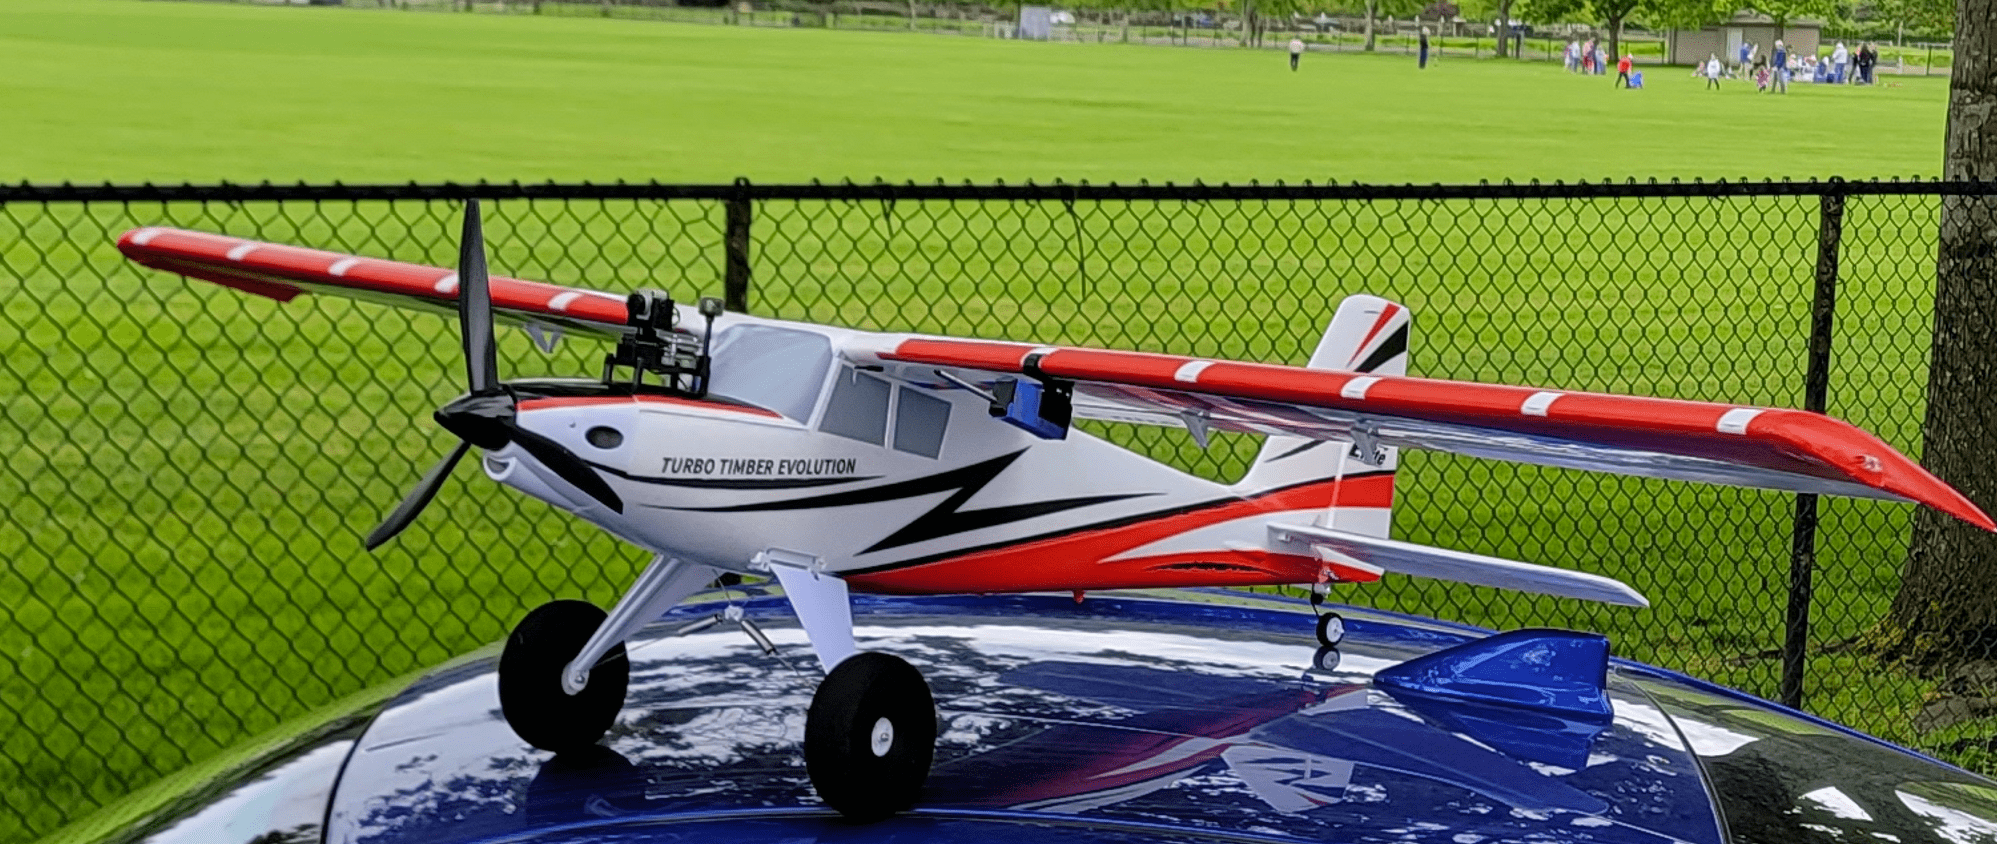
x=1368 y=334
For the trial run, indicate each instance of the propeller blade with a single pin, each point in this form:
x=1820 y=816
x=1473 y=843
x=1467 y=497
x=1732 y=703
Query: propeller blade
x=417 y=499
x=475 y=305
x=565 y=463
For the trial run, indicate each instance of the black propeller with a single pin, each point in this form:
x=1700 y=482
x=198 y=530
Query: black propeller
x=485 y=416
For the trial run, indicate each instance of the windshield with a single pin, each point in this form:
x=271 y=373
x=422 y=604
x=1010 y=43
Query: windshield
x=778 y=369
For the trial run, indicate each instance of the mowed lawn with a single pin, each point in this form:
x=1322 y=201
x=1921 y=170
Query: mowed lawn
x=193 y=470
x=126 y=91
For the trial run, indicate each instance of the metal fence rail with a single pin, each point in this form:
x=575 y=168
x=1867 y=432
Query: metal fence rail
x=191 y=471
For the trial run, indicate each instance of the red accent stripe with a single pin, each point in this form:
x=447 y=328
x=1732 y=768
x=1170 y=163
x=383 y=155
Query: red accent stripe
x=1386 y=316
x=1081 y=560
x=598 y=401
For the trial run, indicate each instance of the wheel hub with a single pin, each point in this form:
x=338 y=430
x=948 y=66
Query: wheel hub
x=882 y=738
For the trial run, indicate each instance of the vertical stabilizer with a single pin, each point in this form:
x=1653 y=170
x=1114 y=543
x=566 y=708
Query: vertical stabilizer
x=1368 y=334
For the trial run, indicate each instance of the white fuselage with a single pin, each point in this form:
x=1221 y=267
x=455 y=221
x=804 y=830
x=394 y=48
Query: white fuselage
x=797 y=450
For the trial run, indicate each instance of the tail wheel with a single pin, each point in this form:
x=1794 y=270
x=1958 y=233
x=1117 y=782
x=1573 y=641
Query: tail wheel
x=1330 y=629
x=870 y=736
x=530 y=679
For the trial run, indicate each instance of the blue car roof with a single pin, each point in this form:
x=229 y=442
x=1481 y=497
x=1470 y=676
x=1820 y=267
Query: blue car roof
x=1115 y=719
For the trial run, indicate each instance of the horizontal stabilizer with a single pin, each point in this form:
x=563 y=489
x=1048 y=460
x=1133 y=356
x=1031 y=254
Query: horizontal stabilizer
x=1444 y=564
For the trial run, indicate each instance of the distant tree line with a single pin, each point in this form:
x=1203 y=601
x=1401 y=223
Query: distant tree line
x=1882 y=20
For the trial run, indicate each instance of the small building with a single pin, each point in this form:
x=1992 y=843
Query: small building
x=1690 y=46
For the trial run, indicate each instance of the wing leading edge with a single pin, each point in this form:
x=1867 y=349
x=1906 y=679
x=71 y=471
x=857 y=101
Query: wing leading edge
x=284 y=272
x=1767 y=448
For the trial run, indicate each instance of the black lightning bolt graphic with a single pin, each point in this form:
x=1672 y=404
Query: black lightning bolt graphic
x=945 y=518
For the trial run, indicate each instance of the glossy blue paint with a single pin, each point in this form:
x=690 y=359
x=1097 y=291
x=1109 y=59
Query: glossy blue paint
x=1557 y=671
x=1122 y=719
x=1116 y=719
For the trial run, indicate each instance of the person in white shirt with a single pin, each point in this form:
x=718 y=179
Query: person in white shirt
x=1713 y=72
x=1840 y=58
x=1296 y=51
x=1574 y=57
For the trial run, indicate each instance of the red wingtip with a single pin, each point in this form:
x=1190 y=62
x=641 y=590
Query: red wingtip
x=1967 y=511
x=1913 y=482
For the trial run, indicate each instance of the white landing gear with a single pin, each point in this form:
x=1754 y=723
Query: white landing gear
x=563 y=674
x=871 y=732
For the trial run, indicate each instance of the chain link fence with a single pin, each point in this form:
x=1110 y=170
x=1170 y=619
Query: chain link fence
x=191 y=470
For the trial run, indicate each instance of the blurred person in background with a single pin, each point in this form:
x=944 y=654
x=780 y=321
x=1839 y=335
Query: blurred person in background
x=1779 y=80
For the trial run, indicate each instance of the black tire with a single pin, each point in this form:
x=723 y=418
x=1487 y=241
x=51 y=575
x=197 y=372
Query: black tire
x=853 y=773
x=1330 y=629
x=530 y=679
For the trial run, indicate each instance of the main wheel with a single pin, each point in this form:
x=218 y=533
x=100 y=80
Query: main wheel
x=530 y=678
x=870 y=736
x=1330 y=629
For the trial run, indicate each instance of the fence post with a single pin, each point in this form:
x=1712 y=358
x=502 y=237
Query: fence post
x=1816 y=390
x=735 y=285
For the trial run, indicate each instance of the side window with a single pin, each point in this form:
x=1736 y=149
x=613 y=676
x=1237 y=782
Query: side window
x=919 y=420
x=859 y=407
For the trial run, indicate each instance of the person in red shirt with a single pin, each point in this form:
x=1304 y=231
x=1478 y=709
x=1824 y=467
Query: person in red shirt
x=1622 y=71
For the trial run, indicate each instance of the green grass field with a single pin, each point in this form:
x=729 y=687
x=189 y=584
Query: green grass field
x=192 y=470
x=118 y=90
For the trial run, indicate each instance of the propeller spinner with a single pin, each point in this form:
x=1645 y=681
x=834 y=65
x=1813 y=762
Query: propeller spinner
x=486 y=416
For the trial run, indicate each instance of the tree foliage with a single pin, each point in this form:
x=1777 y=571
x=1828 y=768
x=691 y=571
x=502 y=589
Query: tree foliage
x=1922 y=15
x=1784 y=11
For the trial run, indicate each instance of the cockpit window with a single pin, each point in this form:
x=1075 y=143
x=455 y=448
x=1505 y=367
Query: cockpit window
x=778 y=369
x=919 y=420
x=859 y=407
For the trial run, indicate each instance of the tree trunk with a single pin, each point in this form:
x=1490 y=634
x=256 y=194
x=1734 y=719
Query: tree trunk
x=1616 y=39
x=1504 y=25
x=1946 y=609
x=1371 y=5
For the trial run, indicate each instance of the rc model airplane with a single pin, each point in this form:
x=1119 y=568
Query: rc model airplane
x=837 y=460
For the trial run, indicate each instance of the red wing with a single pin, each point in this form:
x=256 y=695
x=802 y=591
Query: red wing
x=1651 y=437
x=283 y=272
